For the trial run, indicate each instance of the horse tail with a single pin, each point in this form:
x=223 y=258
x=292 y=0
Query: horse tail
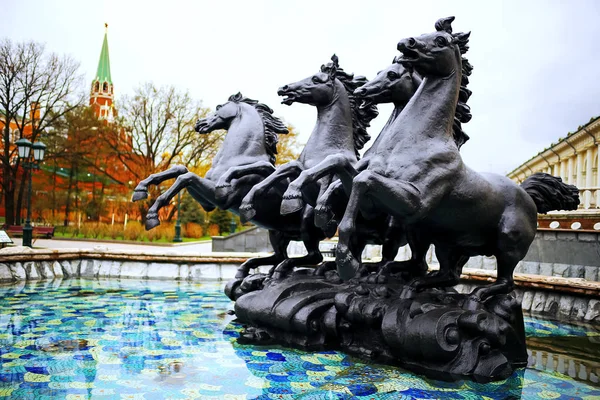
x=549 y=193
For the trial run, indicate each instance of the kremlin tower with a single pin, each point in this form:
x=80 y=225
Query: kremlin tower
x=102 y=93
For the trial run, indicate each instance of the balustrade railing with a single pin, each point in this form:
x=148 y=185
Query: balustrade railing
x=590 y=197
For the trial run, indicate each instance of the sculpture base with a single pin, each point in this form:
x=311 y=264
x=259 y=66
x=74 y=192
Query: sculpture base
x=430 y=333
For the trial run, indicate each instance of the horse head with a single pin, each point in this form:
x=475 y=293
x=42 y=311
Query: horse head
x=435 y=54
x=222 y=117
x=395 y=84
x=318 y=89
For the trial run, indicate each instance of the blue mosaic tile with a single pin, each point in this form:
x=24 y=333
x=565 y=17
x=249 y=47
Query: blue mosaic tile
x=158 y=340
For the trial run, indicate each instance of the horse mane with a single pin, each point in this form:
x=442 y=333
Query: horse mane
x=272 y=125
x=361 y=116
x=462 y=113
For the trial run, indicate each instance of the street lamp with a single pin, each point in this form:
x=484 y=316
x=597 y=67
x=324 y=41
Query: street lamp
x=232 y=225
x=24 y=147
x=177 y=237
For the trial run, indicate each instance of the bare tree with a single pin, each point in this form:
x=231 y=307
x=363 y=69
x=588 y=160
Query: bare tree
x=160 y=132
x=36 y=89
x=74 y=143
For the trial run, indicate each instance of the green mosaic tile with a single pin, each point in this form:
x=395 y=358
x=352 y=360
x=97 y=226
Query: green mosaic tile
x=169 y=340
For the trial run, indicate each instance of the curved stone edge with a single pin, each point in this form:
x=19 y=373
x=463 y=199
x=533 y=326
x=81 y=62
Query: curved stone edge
x=555 y=297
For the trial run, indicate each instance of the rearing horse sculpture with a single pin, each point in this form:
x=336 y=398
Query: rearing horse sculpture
x=245 y=158
x=341 y=127
x=395 y=84
x=417 y=175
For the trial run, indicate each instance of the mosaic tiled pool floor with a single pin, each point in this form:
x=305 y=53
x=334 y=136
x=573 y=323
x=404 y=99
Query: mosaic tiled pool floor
x=168 y=340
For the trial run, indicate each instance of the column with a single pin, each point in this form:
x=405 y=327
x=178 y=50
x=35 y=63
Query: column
x=598 y=178
x=549 y=170
x=588 y=176
x=579 y=174
x=579 y=179
x=570 y=177
x=556 y=169
x=563 y=170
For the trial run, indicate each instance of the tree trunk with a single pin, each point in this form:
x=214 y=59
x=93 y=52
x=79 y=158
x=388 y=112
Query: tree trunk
x=20 y=196
x=9 y=204
x=68 y=202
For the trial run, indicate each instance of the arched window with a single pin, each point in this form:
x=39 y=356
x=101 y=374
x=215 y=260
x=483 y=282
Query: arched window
x=111 y=89
x=105 y=87
x=97 y=86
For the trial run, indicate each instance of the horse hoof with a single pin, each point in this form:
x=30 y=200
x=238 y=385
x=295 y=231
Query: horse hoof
x=139 y=195
x=152 y=222
x=247 y=212
x=323 y=216
x=291 y=205
x=241 y=274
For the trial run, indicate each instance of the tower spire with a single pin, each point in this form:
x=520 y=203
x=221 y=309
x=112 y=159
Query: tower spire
x=101 y=96
x=103 y=73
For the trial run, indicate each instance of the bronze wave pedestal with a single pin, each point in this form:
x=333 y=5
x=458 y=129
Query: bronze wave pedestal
x=430 y=333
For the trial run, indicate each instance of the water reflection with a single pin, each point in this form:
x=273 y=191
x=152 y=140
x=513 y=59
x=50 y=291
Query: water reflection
x=84 y=339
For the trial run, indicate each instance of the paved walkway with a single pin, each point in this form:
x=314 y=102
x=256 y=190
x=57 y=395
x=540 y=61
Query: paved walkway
x=183 y=248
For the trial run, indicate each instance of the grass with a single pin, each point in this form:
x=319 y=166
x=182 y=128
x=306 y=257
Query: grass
x=61 y=235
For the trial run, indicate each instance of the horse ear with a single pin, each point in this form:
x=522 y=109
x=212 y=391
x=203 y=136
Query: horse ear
x=444 y=24
x=335 y=65
x=395 y=60
x=463 y=36
x=462 y=39
x=236 y=97
x=335 y=60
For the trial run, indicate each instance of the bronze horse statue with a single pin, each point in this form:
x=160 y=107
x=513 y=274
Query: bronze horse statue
x=395 y=84
x=417 y=175
x=245 y=158
x=341 y=127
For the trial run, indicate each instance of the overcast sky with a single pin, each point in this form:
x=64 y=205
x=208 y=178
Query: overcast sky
x=536 y=63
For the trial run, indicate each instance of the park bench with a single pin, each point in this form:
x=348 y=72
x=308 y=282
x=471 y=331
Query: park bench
x=38 y=231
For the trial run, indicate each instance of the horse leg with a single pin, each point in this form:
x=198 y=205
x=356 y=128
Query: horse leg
x=203 y=188
x=247 y=209
x=347 y=263
x=207 y=206
x=504 y=283
x=279 y=242
x=513 y=240
x=391 y=196
x=224 y=187
x=311 y=238
x=338 y=164
x=417 y=265
x=394 y=238
x=451 y=264
x=141 y=190
x=239 y=188
x=325 y=209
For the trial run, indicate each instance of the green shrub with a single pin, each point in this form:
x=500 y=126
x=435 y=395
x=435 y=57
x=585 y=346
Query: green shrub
x=101 y=230
x=134 y=231
x=115 y=231
x=87 y=230
x=193 y=230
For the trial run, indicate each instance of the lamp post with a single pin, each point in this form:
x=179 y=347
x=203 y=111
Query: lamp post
x=24 y=147
x=177 y=237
